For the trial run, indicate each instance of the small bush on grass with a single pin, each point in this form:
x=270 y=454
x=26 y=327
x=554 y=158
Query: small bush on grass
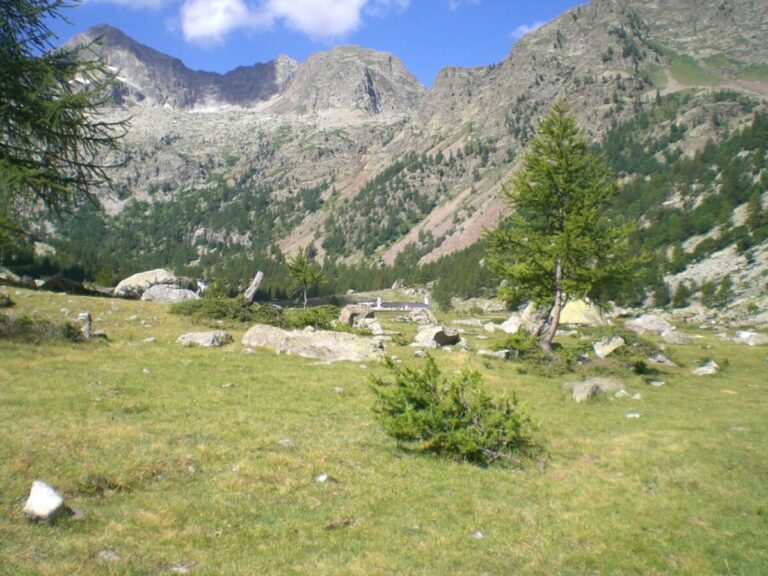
x=5 y=301
x=319 y=317
x=36 y=330
x=525 y=348
x=451 y=417
x=238 y=310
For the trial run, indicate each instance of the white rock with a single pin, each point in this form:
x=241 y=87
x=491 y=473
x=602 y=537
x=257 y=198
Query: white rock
x=321 y=477
x=707 y=369
x=512 y=324
x=205 y=339
x=43 y=502
x=607 y=346
x=750 y=338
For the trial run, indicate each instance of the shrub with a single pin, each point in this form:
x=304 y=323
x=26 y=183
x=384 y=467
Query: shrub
x=5 y=301
x=319 y=317
x=37 y=330
x=451 y=417
x=236 y=309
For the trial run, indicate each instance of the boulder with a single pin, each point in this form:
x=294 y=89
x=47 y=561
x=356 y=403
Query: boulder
x=250 y=292
x=165 y=294
x=707 y=369
x=582 y=313
x=607 y=346
x=750 y=338
x=212 y=339
x=649 y=324
x=491 y=327
x=351 y=313
x=674 y=337
x=583 y=391
x=134 y=286
x=44 y=502
x=321 y=344
x=436 y=336
x=512 y=324
x=5 y=301
x=61 y=284
x=661 y=360
x=422 y=316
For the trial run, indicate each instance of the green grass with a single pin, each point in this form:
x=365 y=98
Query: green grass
x=183 y=463
x=757 y=73
x=656 y=75
x=687 y=70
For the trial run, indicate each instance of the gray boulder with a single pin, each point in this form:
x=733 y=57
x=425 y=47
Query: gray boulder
x=321 y=344
x=583 y=391
x=649 y=324
x=436 y=336
x=607 y=346
x=750 y=338
x=352 y=313
x=134 y=286
x=212 y=339
x=165 y=294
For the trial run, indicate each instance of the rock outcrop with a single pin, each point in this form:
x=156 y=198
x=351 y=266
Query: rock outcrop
x=134 y=286
x=167 y=294
x=320 y=344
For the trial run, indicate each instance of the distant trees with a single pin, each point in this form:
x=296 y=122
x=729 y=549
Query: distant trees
x=558 y=244
x=305 y=273
x=51 y=136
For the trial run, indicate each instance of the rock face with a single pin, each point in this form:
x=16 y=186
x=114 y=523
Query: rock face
x=436 y=337
x=583 y=391
x=607 y=346
x=350 y=314
x=205 y=339
x=321 y=344
x=165 y=294
x=134 y=286
x=44 y=503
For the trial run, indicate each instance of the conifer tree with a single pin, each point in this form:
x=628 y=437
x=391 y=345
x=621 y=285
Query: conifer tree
x=51 y=134
x=305 y=273
x=559 y=242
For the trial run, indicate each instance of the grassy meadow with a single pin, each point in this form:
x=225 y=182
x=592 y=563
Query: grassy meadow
x=205 y=461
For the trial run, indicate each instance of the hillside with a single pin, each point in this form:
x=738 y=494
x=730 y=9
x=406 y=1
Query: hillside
x=348 y=151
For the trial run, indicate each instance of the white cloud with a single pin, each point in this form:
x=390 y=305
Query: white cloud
x=317 y=18
x=454 y=5
x=524 y=29
x=135 y=4
x=208 y=21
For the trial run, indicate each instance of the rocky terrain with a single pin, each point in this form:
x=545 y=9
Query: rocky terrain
x=348 y=151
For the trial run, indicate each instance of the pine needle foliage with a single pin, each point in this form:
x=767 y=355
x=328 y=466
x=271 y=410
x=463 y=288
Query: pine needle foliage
x=52 y=137
x=454 y=417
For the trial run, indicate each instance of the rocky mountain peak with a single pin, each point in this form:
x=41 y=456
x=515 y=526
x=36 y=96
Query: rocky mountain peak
x=352 y=79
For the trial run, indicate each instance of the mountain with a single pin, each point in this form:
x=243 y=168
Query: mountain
x=348 y=151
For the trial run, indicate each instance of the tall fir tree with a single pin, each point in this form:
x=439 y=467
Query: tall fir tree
x=559 y=242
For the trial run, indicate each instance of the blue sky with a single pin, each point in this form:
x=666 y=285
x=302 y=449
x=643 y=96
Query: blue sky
x=220 y=35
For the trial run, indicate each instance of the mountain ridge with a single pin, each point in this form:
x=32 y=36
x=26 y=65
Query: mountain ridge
x=348 y=151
